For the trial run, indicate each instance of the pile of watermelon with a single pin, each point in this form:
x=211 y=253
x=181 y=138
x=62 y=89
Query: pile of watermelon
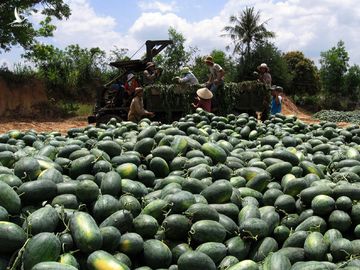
x=204 y=193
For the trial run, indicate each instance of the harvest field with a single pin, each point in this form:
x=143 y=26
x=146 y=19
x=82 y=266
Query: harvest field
x=236 y=186
x=207 y=192
x=62 y=125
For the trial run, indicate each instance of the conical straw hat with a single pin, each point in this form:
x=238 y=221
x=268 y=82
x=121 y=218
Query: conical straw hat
x=204 y=93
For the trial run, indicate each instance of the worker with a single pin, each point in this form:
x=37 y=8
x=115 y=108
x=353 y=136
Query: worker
x=129 y=89
x=264 y=75
x=203 y=99
x=112 y=94
x=151 y=73
x=137 y=111
x=276 y=99
x=188 y=78
x=131 y=84
x=216 y=78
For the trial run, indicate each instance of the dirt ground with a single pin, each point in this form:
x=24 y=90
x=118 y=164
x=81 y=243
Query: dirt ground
x=40 y=126
x=288 y=108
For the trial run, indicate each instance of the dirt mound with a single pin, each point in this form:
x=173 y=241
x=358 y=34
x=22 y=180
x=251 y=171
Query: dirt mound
x=289 y=108
x=18 y=98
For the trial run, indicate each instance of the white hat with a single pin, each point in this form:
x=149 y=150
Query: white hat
x=263 y=65
x=130 y=76
x=204 y=93
x=138 y=90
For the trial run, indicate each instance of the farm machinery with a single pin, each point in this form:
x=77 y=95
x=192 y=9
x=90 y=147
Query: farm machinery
x=172 y=101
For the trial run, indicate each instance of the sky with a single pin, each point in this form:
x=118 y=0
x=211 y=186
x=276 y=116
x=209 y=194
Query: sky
x=311 y=26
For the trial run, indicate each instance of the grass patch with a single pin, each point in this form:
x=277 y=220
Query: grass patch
x=84 y=109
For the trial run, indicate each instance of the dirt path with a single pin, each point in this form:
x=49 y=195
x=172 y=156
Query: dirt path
x=288 y=108
x=40 y=126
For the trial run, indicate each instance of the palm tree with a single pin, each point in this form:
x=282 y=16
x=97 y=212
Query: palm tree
x=246 y=30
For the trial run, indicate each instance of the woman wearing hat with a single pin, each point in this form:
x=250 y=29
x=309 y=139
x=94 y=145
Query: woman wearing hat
x=131 y=84
x=217 y=73
x=151 y=73
x=188 y=78
x=203 y=98
x=264 y=75
x=137 y=111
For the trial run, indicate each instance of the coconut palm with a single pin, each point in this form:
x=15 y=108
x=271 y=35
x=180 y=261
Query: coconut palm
x=246 y=30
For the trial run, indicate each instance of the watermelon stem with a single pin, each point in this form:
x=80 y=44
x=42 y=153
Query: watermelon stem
x=282 y=211
x=18 y=257
x=62 y=218
x=251 y=236
x=166 y=213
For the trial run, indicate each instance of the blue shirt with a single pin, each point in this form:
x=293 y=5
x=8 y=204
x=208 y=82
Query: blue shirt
x=275 y=108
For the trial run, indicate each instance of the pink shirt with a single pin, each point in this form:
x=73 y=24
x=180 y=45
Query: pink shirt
x=205 y=104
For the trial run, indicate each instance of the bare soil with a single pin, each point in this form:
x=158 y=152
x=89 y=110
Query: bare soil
x=62 y=125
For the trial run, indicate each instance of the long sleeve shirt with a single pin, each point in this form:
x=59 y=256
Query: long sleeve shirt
x=137 y=111
x=266 y=79
x=205 y=104
x=216 y=73
x=189 y=79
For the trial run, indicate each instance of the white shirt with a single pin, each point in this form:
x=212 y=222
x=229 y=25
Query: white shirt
x=189 y=79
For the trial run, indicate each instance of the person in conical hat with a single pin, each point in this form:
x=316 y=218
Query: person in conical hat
x=203 y=99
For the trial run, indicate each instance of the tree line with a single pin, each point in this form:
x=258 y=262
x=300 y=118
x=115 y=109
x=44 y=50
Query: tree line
x=74 y=72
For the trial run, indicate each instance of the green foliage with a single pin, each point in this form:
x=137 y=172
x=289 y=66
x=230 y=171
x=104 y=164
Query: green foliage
x=55 y=109
x=84 y=109
x=304 y=73
x=71 y=73
x=201 y=70
x=170 y=96
x=118 y=54
x=174 y=56
x=246 y=31
x=334 y=64
x=308 y=102
x=352 y=81
x=24 y=33
x=233 y=97
x=226 y=63
x=269 y=54
x=20 y=74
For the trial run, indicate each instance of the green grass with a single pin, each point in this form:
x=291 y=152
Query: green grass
x=85 y=109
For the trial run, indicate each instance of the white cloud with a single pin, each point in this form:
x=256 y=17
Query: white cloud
x=157 y=6
x=204 y=34
x=307 y=25
x=89 y=29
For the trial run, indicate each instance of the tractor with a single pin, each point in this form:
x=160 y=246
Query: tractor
x=110 y=102
x=172 y=101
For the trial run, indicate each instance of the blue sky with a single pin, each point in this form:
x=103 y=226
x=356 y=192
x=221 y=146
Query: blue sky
x=127 y=11
x=306 y=25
